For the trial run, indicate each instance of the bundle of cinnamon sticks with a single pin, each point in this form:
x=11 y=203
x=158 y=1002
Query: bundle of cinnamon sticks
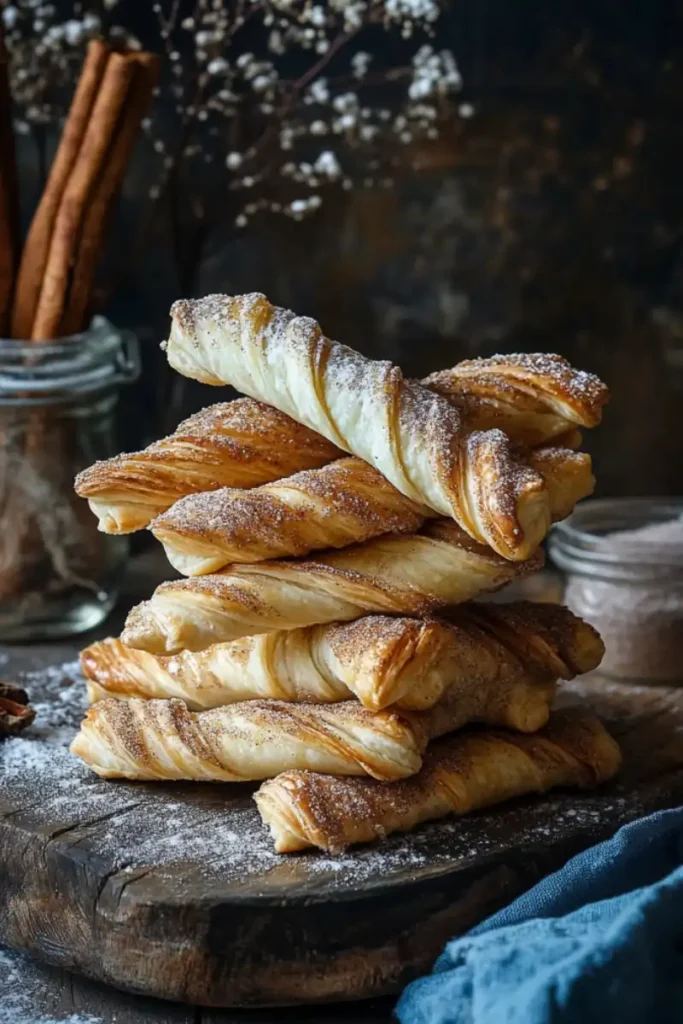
x=46 y=292
x=52 y=296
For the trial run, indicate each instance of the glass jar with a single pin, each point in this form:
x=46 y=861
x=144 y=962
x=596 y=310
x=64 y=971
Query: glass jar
x=622 y=560
x=58 y=575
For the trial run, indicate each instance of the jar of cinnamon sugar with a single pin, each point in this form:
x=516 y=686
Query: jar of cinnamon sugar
x=622 y=561
x=58 y=575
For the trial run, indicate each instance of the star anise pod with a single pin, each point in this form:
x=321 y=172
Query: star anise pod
x=15 y=712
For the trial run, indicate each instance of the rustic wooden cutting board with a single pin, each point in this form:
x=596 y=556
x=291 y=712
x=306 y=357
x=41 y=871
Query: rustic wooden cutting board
x=174 y=890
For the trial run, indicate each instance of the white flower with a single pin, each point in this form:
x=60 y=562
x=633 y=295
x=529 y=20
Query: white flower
x=345 y=101
x=318 y=91
x=244 y=59
x=73 y=31
x=318 y=128
x=433 y=73
x=327 y=165
x=412 y=10
x=218 y=66
x=241 y=221
x=10 y=16
x=353 y=15
x=91 y=24
x=275 y=42
x=109 y=5
x=360 y=62
x=260 y=83
x=316 y=15
x=466 y=110
x=419 y=88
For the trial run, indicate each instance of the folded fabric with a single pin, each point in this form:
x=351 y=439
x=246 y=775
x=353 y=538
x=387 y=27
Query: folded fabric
x=600 y=940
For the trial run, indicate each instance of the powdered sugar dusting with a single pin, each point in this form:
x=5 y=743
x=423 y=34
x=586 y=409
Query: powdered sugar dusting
x=23 y=989
x=213 y=835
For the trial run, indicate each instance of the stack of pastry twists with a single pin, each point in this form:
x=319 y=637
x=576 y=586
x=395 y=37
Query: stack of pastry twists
x=263 y=665
x=416 y=439
x=398 y=662
x=437 y=567
x=536 y=400
x=256 y=739
x=460 y=774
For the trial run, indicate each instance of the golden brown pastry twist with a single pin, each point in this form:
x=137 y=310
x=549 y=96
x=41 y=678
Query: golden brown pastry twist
x=246 y=443
x=232 y=444
x=410 y=575
x=346 y=502
x=460 y=774
x=405 y=663
x=256 y=739
x=534 y=398
x=416 y=439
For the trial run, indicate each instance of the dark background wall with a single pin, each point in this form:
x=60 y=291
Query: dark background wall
x=550 y=220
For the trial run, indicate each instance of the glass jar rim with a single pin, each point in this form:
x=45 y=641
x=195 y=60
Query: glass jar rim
x=34 y=373
x=579 y=543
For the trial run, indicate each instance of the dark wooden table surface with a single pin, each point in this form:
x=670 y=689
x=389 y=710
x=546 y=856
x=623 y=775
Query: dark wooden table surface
x=32 y=992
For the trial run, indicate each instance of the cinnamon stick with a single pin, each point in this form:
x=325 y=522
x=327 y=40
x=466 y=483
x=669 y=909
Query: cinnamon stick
x=101 y=203
x=37 y=245
x=9 y=195
x=105 y=114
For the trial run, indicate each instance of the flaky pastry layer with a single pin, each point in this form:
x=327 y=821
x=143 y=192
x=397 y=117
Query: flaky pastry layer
x=346 y=502
x=383 y=661
x=463 y=773
x=162 y=739
x=416 y=439
x=411 y=575
x=232 y=444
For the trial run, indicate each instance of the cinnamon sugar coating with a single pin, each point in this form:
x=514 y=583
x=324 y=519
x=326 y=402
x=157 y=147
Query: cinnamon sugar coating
x=232 y=444
x=416 y=439
x=439 y=566
x=460 y=774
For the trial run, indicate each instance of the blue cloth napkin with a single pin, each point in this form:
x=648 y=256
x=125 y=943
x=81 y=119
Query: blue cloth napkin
x=601 y=940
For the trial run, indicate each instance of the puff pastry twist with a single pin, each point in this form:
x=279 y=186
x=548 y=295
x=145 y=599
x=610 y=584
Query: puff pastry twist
x=232 y=444
x=415 y=438
x=533 y=397
x=460 y=774
x=162 y=739
x=411 y=575
x=346 y=502
x=383 y=661
x=246 y=443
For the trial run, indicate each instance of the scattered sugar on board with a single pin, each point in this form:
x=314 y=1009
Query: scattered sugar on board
x=216 y=829
x=23 y=988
